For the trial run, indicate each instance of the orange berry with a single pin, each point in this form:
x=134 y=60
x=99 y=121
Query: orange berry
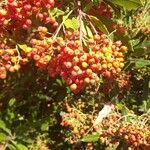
x=73 y=87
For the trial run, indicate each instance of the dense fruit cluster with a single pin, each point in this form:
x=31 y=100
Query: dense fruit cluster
x=142 y=20
x=117 y=129
x=102 y=10
x=21 y=13
x=123 y=81
x=41 y=48
x=10 y=60
x=129 y=130
x=80 y=66
x=78 y=122
x=119 y=28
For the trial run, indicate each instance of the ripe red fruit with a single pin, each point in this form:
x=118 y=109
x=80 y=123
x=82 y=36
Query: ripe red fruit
x=68 y=64
x=122 y=29
x=27 y=7
x=123 y=49
x=28 y=22
x=97 y=37
x=107 y=74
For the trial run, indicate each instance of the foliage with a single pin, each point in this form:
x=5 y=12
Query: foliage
x=74 y=74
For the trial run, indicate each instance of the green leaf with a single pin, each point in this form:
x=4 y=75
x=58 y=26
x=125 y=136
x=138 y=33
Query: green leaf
x=143 y=44
x=86 y=30
x=55 y=12
x=96 y=1
x=2 y=124
x=65 y=17
x=12 y=102
x=4 y=128
x=140 y=63
x=71 y=23
x=44 y=126
x=128 y=4
x=98 y=24
x=124 y=110
x=21 y=147
x=88 y=6
x=11 y=147
x=145 y=106
x=90 y=138
x=25 y=48
x=3 y=137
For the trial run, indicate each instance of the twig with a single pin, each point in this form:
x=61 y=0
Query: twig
x=80 y=21
x=61 y=25
x=19 y=56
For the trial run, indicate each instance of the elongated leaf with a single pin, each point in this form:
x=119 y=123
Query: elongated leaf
x=86 y=30
x=21 y=147
x=55 y=12
x=2 y=124
x=4 y=128
x=90 y=138
x=11 y=147
x=98 y=24
x=128 y=4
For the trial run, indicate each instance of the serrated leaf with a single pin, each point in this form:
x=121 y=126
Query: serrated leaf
x=71 y=23
x=143 y=44
x=124 y=110
x=90 y=138
x=140 y=63
x=25 y=48
x=98 y=24
x=127 y=4
x=3 y=137
x=55 y=12
x=65 y=17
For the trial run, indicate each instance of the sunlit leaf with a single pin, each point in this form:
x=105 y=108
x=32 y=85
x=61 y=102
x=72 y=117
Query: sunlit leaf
x=90 y=138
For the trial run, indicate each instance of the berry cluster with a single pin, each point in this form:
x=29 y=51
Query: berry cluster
x=133 y=134
x=78 y=122
x=102 y=10
x=41 y=48
x=119 y=28
x=16 y=14
x=142 y=20
x=80 y=66
x=123 y=81
x=129 y=130
x=10 y=60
